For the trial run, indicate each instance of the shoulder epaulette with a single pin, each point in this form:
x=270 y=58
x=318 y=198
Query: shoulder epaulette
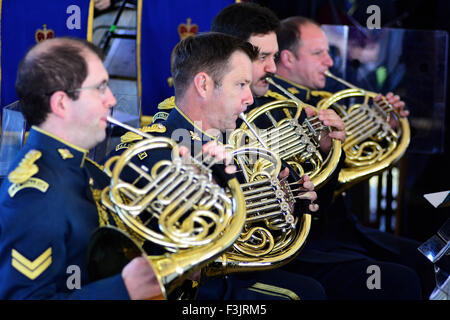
x=131 y=136
x=275 y=95
x=167 y=104
x=21 y=176
x=26 y=168
x=319 y=93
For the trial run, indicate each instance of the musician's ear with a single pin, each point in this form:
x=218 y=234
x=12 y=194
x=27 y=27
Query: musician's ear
x=287 y=57
x=203 y=84
x=59 y=104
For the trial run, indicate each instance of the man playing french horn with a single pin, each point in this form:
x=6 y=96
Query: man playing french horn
x=303 y=69
x=212 y=74
x=47 y=208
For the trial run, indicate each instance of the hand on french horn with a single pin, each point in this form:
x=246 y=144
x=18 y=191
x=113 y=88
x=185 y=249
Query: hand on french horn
x=329 y=118
x=218 y=154
x=140 y=280
x=308 y=193
x=216 y=158
x=398 y=104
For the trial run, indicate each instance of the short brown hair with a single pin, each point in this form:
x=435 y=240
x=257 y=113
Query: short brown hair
x=50 y=66
x=207 y=52
x=289 y=36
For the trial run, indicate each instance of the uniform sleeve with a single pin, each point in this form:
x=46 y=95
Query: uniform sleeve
x=325 y=195
x=112 y=288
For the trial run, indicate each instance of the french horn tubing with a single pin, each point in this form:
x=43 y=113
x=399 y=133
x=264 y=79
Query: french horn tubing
x=280 y=128
x=187 y=219
x=273 y=234
x=372 y=145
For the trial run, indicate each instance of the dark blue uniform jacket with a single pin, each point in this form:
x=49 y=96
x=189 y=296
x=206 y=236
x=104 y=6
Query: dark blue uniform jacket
x=47 y=214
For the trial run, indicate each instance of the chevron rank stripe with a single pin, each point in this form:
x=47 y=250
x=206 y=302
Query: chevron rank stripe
x=31 y=269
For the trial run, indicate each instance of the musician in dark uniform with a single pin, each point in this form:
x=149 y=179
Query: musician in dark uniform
x=212 y=75
x=49 y=200
x=304 y=57
x=341 y=267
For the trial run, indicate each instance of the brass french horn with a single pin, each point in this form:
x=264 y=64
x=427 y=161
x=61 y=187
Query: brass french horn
x=174 y=206
x=372 y=145
x=280 y=128
x=273 y=234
